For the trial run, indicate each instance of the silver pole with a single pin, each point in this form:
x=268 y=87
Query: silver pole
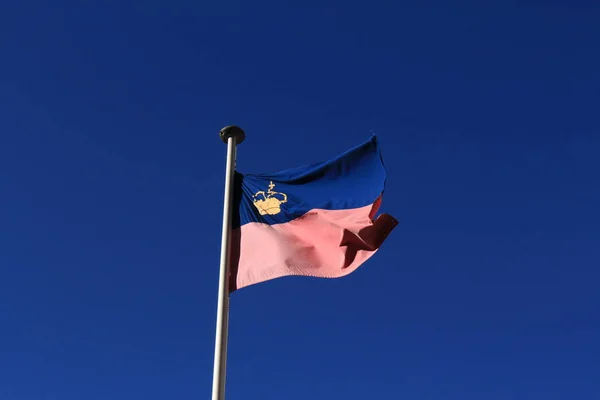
x=233 y=136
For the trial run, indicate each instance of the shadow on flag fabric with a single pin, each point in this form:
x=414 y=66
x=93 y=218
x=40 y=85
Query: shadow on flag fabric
x=317 y=220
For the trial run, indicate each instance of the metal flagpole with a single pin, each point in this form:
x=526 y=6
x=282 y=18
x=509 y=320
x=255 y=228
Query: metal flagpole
x=232 y=135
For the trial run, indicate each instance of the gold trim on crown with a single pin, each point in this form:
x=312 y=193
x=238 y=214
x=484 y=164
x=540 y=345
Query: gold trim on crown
x=269 y=204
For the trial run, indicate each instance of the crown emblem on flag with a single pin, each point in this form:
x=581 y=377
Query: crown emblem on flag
x=271 y=201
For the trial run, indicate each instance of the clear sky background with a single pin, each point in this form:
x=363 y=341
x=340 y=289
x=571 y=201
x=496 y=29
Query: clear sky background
x=111 y=185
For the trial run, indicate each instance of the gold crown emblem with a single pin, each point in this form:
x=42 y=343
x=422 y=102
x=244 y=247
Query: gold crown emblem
x=271 y=201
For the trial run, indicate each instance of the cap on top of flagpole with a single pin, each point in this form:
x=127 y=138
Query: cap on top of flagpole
x=232 y=131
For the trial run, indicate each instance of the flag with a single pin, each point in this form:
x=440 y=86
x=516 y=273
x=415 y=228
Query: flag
x=317 y=220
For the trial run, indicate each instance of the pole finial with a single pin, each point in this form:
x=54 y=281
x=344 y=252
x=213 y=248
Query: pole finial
x=232 y=131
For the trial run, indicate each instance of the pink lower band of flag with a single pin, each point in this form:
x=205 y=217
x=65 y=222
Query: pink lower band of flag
x=321 y=243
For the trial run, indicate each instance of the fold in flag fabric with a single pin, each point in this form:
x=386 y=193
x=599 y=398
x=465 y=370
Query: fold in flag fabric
x=317 y=220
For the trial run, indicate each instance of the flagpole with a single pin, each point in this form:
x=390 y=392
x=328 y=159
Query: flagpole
x=232 y=136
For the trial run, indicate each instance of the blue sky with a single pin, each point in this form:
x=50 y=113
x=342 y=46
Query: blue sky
x=111 y=182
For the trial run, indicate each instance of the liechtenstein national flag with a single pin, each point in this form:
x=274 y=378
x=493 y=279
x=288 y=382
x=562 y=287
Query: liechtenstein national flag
x=317 y=220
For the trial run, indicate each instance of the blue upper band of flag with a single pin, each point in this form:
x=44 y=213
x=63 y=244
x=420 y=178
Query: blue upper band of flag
x=353 y=179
